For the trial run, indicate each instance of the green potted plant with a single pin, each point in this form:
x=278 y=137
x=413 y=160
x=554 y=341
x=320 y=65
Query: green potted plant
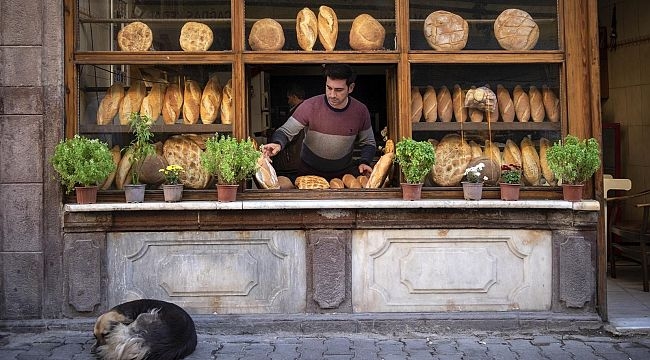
x=573 y=161
x=140 y=147
x=510 y=182
x=416 y=158
x=473 y=186
x=231 y=161
x=172 y=188
x=82 y=163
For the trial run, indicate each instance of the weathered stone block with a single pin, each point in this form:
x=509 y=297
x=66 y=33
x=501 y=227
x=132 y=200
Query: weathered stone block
x=21 y=23
x=21 y=100
x=21 y=215
x=83 y=258
x=576 y=272
x=21 y=140
x=328 y=252
x=22 y=281
x=15 y=71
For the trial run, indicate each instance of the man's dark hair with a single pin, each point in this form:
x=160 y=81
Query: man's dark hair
x=297 y=90
x=340 y=72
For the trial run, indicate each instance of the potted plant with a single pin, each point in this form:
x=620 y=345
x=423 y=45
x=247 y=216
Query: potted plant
x=573 y=161
x=141 y=146
x=172 y=188
x=415 y=159
x=85 y=162
x=473 y=186
x=231 y=161
x=510 y=182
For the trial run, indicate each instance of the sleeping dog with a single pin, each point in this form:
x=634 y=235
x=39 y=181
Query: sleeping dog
x=144 y=329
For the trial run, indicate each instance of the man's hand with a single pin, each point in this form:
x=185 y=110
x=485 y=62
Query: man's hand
x=271 y=149
x=365 y=169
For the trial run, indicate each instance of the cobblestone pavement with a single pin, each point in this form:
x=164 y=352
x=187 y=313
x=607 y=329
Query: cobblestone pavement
x=475 y=345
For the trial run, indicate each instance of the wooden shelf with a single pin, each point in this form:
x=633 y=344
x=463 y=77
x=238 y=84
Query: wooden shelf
x=485 y=57
x=319 y=57
x=153 y=57
x=483 y=126
x=157 y=128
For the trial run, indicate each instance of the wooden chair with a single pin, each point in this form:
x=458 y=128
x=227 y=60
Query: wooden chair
x=633 y=242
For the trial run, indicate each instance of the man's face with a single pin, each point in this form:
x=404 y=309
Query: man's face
x=337 y=92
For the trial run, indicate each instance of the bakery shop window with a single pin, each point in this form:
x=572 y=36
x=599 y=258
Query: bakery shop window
x=315 y=26
x=139 y=25
x=484 y=25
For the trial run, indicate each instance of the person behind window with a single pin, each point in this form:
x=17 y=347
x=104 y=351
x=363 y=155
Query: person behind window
x=287 y=161
x=335 y=122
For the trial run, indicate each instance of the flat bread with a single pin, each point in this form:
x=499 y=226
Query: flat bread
x=312 y=182
x=136 y=36
x=196 y=36
x=452 y=157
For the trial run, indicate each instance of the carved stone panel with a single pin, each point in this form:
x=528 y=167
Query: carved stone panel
x=451 y=270
x=83 y=264
x=226 y=272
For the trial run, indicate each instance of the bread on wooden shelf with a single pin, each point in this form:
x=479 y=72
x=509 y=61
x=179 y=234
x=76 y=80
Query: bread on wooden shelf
x=522 y=103
x=367 y=33
x=172 y=104
x=306 y=29
x=266 y=34
x=537 y=112
x=515 y=29
x=444 y=30
x=110 y=104
x=328 y=27
x=416 y=104
x=430 y=104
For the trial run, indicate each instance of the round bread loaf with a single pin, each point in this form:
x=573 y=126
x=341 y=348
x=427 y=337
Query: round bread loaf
x=458 y=102
x=445 y=105
x=196 y=36
x=306 y=29
x=266 y=34
x=515 y=29
x=531 y=170
x=416 y=104
x=285 y=183
x=511 y=153
x=430 y=104
x=328 y=27
x=366 y=33
x=337 y=183
x=446 y=31
x=148 y=169
x=110 y=104
x=351 y=182
x=452 y=156
x=183 y=151
x=136 y=36
x=549 y=176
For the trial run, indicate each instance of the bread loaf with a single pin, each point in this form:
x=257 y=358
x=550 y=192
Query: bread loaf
x=475 y=149
x=537 y=112
x=211 y=100
x=380 y=170
x=475 y=115
x=521 y=103
x=123 y=169
x=148 y=169
x=366 y=33
x=493 y=153
x=430 y=105
x=311 y=182
x=191 y=102
x=531 y=170
x=285 y=183
x=452 y=156
x=227 y=104
x=152 y=103
x=135 y=36
x=183 y=151
x=306 y=29
x=172 y=104
x=506 y=107
x=337 y=183
x=445 y=106
x=549 y=176
x=265 y=175
x=511 y=153
x=117 y=156
x=551 y=104
x=132 y=101
x=491 y=170
x=515 y=29
x=351 y=182
x=266 y=34
x=445 y=31
x=460 y=111
x=328 y=27
x=110 y=104
x=416 y=104
x=363 y=180
x=195 y=36
x=482 y=98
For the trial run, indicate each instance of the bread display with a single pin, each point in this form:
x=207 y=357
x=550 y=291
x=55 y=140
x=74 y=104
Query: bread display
x=172 y=104
x=266 y=34
x=351 y=182
x=265 y=175
x=482 y=98
x=458 y=102
x=328 y=27
x=544 y=145
x=515 y=29
x=531 y=170
x=537 y=112
x=511 y=153
x=117 y=156
x=491 y=169
x=285 y=183
x=381 y=170
x=110 y=104
x=363 y=180
x=475 y=149
x=521 y=103
x=311 y=182
x=366 y=33
x=182 y=150
x=551 y=104
x=492 y=152
x=446 y=31
x=227 y=105
x=195 y=36
x=430 y=104
x=148 y=169
x=506 y=106
x=123 y=170
x=152 y=103
x=306 y=29
x=136 y=36
x=337 y=183
x=452 y=156
x=191 y=102
x=416 y=104
x=445 y=106
x=132 y=101
x=211 y=101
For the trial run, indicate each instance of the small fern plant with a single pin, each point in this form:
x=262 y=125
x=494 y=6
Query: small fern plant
x=416 y=158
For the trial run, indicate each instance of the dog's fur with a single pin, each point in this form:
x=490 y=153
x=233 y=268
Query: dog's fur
x=144 y=329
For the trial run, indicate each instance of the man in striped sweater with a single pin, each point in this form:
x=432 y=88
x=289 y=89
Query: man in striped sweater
x=333 y=123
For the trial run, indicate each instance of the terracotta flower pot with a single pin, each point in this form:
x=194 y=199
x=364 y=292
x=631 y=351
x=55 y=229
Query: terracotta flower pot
x=411 y=191
x=227 y=193
x=572 y=192
x=509 y=192
x=472 y=191
x=134 y=193
x=86 y=194
x=173 y=193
